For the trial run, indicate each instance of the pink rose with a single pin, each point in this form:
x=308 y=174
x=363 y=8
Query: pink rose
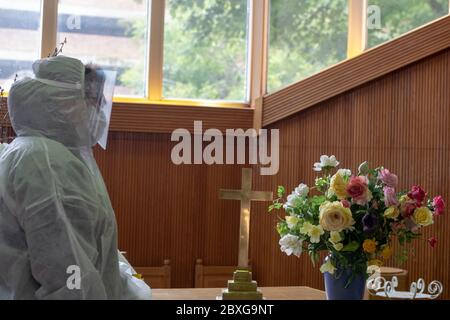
x=389 y=179
x=408 y=209
x=390 y=197
x=345 y=203
x=358 y=190
x=418 y=194
x=439 y=205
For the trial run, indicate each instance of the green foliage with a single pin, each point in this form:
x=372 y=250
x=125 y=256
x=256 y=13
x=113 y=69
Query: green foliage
x=278 y=203
x=351 y=247
x=275 y=206
x=205 y=54
x=282 y=228
x=314 y=255
x=281 y=191
x=316 y=202
x=322 y=183
x=400 y=16
x=305 y=37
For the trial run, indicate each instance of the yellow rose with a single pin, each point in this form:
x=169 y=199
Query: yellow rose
x=392 y=213
x=404 y=199
x=423 y=216
x=370 y=246
x=386 y=253
x=335 y=217
x=338 y=186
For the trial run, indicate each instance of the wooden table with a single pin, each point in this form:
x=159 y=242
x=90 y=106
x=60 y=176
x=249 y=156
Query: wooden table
x=276 y=293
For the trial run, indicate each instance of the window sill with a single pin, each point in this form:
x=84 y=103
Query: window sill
x=141 y=115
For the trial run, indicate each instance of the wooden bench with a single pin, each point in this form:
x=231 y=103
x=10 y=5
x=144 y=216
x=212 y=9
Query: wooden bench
x=156 y=277
x=213 y=276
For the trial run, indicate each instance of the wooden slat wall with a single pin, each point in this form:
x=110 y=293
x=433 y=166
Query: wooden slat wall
x=166 y=211
x=155 y=118
x=169 y=212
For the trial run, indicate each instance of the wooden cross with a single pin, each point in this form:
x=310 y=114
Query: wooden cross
x=246 y=196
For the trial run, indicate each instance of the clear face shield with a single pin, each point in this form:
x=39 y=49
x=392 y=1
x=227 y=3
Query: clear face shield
x=99 y=92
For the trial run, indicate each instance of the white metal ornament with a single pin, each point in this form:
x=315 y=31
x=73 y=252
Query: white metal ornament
x=382 y=288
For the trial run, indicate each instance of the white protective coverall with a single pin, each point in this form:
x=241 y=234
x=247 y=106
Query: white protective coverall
x=55 y=212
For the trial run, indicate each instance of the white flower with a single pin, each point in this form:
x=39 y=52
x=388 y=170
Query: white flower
x=291 y=245
x=338 y=246
x=292 y=201
x=291 y=222
x=335 y=237
x=326 y=162
x=328 y=267
x=345 y=173
x=315 y=232
x=306 y=228
x=302 y=190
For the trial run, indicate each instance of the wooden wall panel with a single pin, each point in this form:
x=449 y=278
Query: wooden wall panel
x=165 y=118
x=166 y=211
x=169 y=212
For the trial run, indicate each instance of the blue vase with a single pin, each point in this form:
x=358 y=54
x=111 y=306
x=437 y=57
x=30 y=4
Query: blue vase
x=335 y=285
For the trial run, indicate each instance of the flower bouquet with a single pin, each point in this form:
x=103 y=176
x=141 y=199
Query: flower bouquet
x=355 y=218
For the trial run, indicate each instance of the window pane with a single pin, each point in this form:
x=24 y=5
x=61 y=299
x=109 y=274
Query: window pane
x=388 y=19
x=20 y=43
x=111 y=33
x=205 y=49
x=306 y=36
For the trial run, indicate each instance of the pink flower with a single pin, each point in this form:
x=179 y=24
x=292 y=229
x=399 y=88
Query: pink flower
x=396 y=226
x=432 y=242
x=408 y=209
x=389 y=179
x=358 y=190
x=418 y=194
x=439 y=205
x=390 y=197
x=345 y=203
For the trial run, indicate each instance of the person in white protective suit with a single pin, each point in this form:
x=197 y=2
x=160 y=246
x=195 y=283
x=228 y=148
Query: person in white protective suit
x=58 y=232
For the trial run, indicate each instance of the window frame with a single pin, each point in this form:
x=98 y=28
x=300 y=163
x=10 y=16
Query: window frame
x=257 y=49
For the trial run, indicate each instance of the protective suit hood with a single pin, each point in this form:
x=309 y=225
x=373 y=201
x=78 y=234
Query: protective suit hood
x=53 y=104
